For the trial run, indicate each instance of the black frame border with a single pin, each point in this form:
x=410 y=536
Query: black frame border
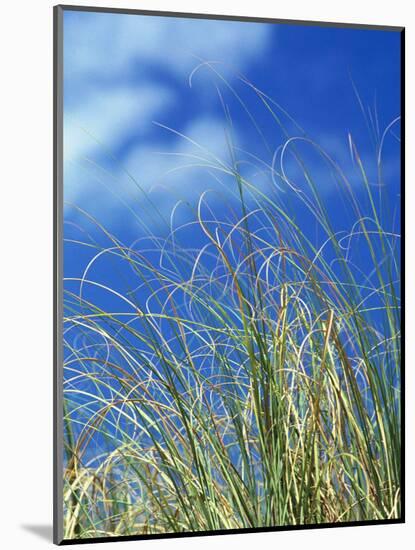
x=58 y=12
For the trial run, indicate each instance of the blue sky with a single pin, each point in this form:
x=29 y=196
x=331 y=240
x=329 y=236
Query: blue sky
x=124 y=73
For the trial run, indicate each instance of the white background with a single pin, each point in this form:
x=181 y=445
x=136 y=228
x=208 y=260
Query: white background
x=26 y=272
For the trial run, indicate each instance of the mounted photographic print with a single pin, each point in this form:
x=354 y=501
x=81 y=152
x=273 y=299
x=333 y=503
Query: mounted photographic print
x=228 y=274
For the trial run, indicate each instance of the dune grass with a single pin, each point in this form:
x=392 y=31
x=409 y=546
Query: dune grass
x=258 y=382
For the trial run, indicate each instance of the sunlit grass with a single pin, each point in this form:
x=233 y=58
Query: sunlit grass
x=257 y=383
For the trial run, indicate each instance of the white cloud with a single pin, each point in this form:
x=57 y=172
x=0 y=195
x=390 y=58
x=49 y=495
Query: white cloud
x=102 y=45
x=202 y=143
x=166 y=171
x=103 y=121
x=110 y=116
x=120 y=75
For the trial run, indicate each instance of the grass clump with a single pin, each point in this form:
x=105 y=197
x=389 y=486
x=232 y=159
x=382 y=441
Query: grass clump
x=250 y=380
